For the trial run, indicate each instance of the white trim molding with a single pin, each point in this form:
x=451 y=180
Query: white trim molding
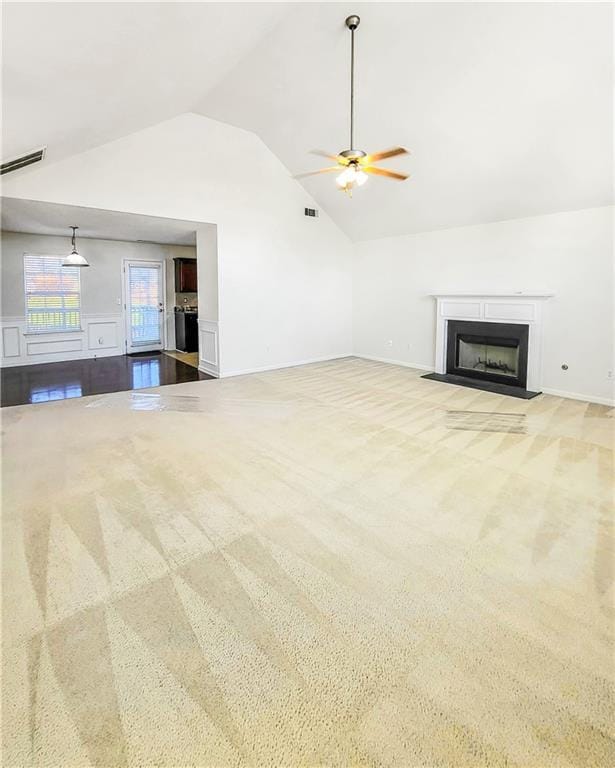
x=279 y=366
x=100 y=336
x=579 y=396
x=392 y=361
x=497 y=307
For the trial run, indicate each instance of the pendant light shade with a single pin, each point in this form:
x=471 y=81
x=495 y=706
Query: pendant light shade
x=74 y=259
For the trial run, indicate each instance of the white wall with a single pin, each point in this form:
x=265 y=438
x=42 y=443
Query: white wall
x=568 y=253
x=209 y=292
x=101 y=297
x=284 y=279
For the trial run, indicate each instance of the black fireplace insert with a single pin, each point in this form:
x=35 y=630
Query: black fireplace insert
x=495 y=352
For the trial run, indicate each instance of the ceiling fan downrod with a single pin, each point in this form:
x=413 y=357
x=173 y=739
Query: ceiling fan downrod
x=352 y=22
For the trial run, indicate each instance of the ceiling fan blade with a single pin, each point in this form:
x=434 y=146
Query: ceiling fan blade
x=322 y=153
x=336 y=158
x=384 y=172
x=393 y=152
x=322 y=170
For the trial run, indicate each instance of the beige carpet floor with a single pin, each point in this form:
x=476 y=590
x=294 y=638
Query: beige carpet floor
x=335 y=565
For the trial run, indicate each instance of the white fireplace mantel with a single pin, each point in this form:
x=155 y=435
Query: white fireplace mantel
x=495 y=307
x=497 y=294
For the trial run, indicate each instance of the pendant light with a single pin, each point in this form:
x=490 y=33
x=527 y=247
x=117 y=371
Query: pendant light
x=75 y=259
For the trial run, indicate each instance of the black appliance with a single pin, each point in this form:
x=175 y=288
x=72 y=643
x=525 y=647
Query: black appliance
x=187 y=331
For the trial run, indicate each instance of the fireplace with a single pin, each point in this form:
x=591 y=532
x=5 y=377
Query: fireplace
x=494 y=352
x=490 y=341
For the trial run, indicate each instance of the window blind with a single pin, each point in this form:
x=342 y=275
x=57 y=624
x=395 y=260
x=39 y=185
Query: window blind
x=53 y=295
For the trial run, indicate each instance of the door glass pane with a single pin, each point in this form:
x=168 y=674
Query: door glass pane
x=145 y=301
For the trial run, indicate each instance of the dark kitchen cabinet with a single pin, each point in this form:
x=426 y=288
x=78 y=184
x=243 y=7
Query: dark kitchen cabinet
x=185 y=276
x=187 y=331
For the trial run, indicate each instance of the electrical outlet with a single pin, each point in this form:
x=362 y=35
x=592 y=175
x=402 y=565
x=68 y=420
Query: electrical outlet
x=390 y=343
x=609 y=374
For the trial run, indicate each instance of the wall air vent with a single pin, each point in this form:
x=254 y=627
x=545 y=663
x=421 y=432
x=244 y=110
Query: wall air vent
x=311 y=212
x=35 y=156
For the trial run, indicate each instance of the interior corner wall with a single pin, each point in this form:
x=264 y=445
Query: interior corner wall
x=284 y=279
x=569 y=253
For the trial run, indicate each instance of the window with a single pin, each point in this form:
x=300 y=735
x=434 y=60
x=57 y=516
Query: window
x=53 y=295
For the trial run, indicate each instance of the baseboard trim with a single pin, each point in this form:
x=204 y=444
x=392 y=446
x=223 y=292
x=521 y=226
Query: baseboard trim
x=210 y=370
x=279 y=366
x=579 y=396
x=390 y=361
x=545 y=391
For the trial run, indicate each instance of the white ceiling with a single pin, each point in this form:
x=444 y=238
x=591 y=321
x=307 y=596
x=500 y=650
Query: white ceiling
x=76 y=75
x=42 y=218
x=506 y=107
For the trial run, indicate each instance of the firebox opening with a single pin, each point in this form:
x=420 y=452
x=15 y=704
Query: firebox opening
x=482 y=353
x=495 y=352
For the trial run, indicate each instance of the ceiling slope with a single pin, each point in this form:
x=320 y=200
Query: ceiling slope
x=506 y=107
x=78 y=75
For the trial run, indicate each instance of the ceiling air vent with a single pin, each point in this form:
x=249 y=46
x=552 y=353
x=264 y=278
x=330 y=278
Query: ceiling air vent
x=20 y=162
x=311 y=212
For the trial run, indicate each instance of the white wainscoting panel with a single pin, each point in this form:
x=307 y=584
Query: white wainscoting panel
x=61 y=347
x=11 y=341
x=208 y=347
x=100 y=336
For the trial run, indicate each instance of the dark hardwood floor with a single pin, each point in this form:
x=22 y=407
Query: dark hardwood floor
x=77 y=378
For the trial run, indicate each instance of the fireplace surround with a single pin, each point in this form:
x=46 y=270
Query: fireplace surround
x=520 y=309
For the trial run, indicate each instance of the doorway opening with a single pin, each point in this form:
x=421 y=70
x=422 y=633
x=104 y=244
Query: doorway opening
x=185 y=311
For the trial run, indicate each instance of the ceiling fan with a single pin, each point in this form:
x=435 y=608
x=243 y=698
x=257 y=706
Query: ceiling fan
x=355 y=164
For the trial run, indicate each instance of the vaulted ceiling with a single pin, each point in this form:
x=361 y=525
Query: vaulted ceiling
x=76 y=75
x=506 y=107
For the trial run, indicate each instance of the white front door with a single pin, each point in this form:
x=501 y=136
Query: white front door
x=144 y=305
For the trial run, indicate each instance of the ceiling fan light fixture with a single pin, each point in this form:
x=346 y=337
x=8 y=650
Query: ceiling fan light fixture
x=351 y=176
